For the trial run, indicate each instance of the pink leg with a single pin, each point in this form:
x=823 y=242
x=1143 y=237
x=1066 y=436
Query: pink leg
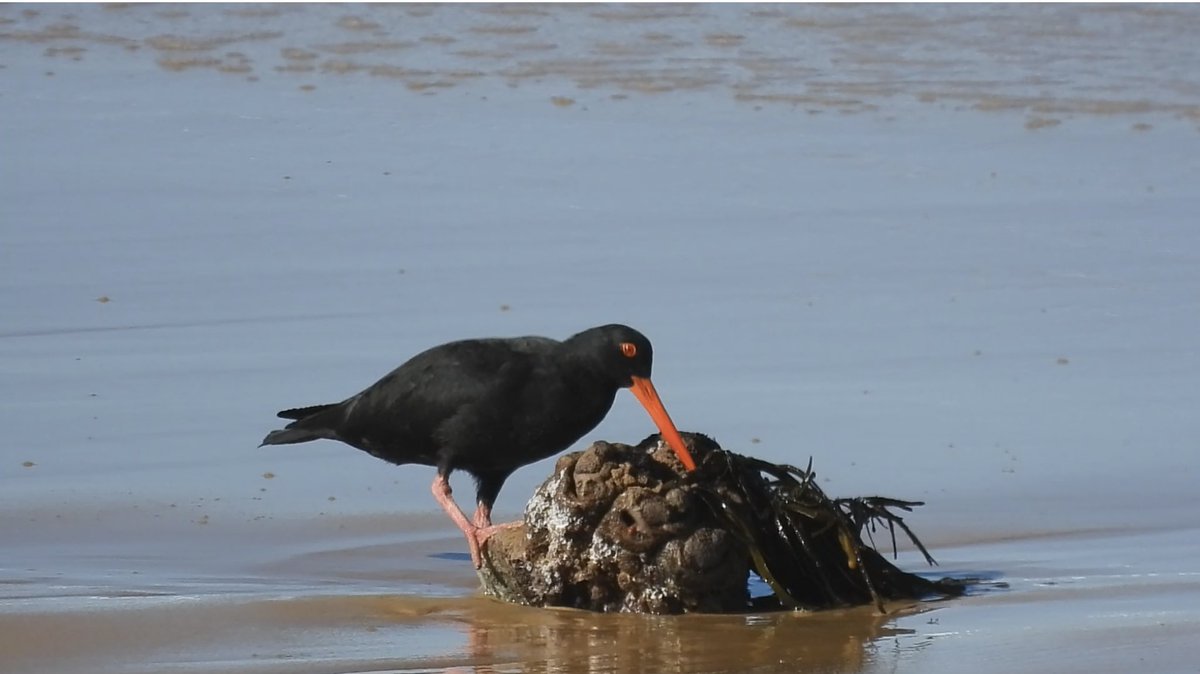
x=483 y=522
x=483 y=516
x=442 y=492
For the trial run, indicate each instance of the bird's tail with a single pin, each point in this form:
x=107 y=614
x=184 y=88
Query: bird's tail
x=301 y=412
x=309 y=424
x=290 y=436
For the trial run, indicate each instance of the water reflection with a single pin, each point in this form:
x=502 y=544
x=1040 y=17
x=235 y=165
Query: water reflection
x=503 y=638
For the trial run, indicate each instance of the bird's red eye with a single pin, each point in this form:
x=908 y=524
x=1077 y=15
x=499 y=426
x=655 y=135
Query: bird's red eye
x=628 y=349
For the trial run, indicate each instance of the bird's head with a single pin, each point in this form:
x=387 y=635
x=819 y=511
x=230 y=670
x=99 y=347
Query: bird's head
x=625 y=355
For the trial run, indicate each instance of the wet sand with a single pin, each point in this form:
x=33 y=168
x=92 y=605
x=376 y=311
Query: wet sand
x=949 y=249
x=389 y=633
x=344 y=596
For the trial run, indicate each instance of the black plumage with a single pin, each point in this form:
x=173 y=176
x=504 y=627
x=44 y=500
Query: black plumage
x=488 y=407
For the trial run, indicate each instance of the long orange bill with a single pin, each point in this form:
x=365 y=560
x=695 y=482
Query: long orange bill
x=645 y=393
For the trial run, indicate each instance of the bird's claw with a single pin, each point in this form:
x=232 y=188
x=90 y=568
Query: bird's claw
x=480 y=536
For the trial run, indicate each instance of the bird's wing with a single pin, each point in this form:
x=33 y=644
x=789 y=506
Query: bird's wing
x=417 y=399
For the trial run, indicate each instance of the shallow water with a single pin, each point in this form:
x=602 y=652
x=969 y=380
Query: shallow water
x=351 y=594
x=945 y=251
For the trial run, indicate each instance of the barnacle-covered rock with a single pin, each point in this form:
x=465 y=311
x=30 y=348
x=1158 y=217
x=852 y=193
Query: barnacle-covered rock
x=617 y=528
x=625 y=528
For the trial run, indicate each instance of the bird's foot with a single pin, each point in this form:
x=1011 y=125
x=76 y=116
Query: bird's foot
x=489 y=531
x=479 y=537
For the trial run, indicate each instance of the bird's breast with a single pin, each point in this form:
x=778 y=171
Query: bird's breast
x=572 y=409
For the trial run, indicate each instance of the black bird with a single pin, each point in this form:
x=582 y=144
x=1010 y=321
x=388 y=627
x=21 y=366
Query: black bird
x=488 y=407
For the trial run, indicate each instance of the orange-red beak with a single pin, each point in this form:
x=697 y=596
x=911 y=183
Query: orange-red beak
x=645 y=393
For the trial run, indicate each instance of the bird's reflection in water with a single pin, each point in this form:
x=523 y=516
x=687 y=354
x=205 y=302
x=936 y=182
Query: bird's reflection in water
x=502 y=638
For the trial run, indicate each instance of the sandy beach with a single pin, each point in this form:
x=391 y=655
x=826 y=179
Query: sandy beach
x=942 y=250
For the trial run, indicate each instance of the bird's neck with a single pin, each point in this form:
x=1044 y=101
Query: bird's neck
x=581 y=366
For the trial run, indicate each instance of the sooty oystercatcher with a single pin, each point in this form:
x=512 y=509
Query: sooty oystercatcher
x=488 y=407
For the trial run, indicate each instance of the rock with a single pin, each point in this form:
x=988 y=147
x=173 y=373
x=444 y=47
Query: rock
x=617 y=528
x=624 y=528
